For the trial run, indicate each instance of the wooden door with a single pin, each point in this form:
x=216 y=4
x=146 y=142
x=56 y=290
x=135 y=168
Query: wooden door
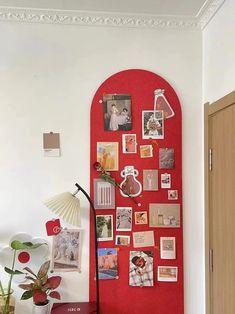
x=220 y=221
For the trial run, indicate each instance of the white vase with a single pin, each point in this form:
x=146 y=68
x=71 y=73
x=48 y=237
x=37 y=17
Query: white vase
x=41 y=309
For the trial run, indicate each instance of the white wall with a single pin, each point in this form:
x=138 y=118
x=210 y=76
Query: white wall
x=218 y=54
x=48 y=76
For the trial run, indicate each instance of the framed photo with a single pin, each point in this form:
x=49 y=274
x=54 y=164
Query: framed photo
x=141 y=218
x=107 y=263
x=122 y=240
x=104 y=194
x=172 y=194
x=66 y=250
x=124 y=218
x=164 y=215
x=107 y=155
x=150 y=180
x=117 y=112
x=167 y=248
x=165 y=181
x=146 y=151
x=129 y=145
x=152 y=124
x=141 y=268
x=104 y=225
x=166 y=158
x=167 y=273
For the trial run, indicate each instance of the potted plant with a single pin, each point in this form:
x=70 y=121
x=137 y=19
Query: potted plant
x=41 y=287
x=7 y=305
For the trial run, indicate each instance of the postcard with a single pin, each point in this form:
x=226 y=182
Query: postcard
x=141 y=268
x=152 y=124
x=167 y=248
x=107 y=263
x=167 y=273
x=166 y=158
x=172 y=194
x=164 y=215
x=143 y=239
x=124 y=219
x=107 y=155
x=165 y=181
x=104 y=225
x=146 y=151
x=150 y=180
x=129 y=145
x=141 y=218
x=122 y=240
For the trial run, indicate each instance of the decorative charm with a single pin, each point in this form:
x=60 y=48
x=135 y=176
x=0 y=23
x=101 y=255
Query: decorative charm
x=161 y=103
x=130 y=186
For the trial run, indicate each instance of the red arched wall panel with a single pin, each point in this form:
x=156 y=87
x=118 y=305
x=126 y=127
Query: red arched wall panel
x=116 y=296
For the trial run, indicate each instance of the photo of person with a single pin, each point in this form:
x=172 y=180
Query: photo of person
x=107 y=155
x=107 y=263
x=150 y=180
x=117 y=112
x=124 y=218
x=129 y=145
x=66 y=249
x=104 y=225
x=152 y=124
x=141 y=268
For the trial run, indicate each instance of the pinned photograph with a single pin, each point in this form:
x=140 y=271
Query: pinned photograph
x=166 y=158
x=107 y=155
x=122 y=240
x=164 y=215
x=152 y=124
x=143 y=239
x=117 y=112
x=167 y=273
x=167 y=248
x=129 y=145
x=165 y=181
x=146 y=151
x=150 y=180
x=66 y=250
x=104 y=194
x=104 y=225
x=141 y=218
x=141 y=268
x=124 y=218
x=172 y=195
x=107 y=263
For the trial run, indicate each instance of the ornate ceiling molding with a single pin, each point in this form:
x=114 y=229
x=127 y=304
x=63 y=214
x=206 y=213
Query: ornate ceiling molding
x=85 y=18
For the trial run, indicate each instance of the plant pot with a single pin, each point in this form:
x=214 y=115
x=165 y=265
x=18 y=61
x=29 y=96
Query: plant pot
x=7 y=302
x=41 y=309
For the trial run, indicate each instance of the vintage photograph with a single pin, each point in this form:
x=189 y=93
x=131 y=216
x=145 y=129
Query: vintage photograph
x=152 y=124
x=143 y=239
x=122 y=240
x=167 y=273
x=104 y=225
x=166 y=158
x=172 y=194
x=165 y=181
x=150 y=180
x=66 y=250
x=167 y=248
x=164 y=215
x=107 y=155
x=146 y=151
x=107 y=263
x=141 y=218
x=124 y=219
x=129 y=145
x=141 y=268
x=104 y=194
x=117 y=112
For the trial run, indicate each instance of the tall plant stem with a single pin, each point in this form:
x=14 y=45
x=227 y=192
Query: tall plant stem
x=6 y=307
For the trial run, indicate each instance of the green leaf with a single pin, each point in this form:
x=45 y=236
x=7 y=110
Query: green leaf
x=12 y=272
x=43 y=270
x=27 y=295
x=17 y=245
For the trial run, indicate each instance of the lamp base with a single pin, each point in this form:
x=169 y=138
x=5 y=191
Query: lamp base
x=74 y=307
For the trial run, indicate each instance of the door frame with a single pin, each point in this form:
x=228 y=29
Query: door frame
x=210 y=110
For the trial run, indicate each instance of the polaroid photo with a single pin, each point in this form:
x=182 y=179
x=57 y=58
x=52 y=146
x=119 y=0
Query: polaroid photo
x=107 y=263
x=66 y=250
x=117 y=112
x=172 y=195
x=104 y=194
x=150 y=180
x=165 y=181
x=129 y=145
x=152 y=124
x=167 y=273
x=146 y=151
x=141 y=268
x=164 y=215
x=143 y=239
x=124 y=219
x=104 y=225
x=141 y=218
x=107 y=155
x=166 y=158
x=167 y=248
x=122 y=240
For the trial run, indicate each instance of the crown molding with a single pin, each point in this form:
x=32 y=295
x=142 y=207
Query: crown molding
x=87 y=18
